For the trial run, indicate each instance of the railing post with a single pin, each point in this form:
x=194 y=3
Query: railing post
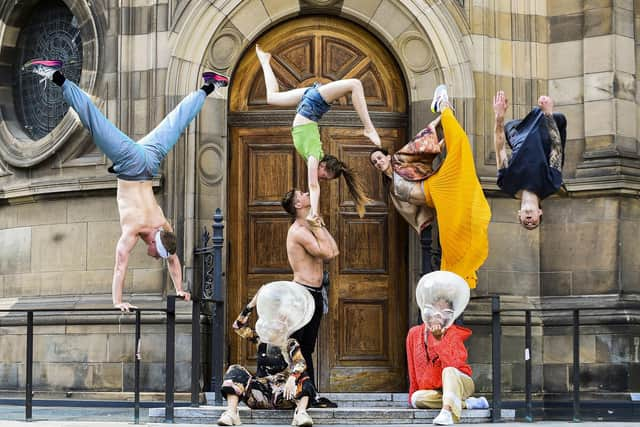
x=496 y=359
x=217 y=315
x=170 y=358
x=576 y=365
x=137 y=356
x=195 y=352
x=28 y=400
x=527 y=365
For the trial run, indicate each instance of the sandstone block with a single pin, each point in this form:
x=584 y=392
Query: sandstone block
x=15 y=250
x=59 y=247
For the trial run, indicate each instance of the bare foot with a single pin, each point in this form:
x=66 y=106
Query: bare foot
x=546 y=104
x=373 y=136
x=262 y=55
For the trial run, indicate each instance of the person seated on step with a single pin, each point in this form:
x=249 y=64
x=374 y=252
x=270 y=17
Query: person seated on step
x=534 y=170
x=439 y=374
x=281 y=380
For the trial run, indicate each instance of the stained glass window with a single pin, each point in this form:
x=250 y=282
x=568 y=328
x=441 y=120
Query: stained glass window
x=51 y=32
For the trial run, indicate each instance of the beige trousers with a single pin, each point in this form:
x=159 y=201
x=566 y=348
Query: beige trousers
x=456 y=387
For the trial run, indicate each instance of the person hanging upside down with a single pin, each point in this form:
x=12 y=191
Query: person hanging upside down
x=534 y=170
x=312 y=103
x=453 y=191
x=135 y=164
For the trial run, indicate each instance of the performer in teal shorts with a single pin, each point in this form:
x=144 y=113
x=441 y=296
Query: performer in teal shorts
x=312 y=103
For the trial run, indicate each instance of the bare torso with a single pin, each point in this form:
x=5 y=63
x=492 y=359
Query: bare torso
x=307 y=269
x=139 y=211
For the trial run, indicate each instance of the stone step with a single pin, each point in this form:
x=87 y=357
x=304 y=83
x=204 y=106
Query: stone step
x=380 y=400
x=340 y=415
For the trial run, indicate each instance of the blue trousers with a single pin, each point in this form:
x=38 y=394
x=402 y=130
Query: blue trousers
x=133 y=161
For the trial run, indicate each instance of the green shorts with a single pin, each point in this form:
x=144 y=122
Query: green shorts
x=306 y=139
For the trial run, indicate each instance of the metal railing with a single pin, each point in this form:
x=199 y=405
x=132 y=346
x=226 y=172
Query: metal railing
x=496 y=359
x=170 y=311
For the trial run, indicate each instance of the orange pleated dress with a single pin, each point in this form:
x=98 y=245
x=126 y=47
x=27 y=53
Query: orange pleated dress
x=462 y=210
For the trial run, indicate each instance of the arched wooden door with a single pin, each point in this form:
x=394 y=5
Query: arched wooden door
x=361 y=343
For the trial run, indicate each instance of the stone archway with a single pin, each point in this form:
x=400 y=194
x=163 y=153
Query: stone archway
x=209 y=37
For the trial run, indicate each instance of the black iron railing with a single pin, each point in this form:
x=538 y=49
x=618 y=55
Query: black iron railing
x=496 y=359
x=210 y=294
x=170 y=311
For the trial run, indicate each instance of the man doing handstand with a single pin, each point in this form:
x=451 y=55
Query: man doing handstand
x=135 y=164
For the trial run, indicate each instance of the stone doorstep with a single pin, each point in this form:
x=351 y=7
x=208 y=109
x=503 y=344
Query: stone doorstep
x=379 y=400
x=352 y=415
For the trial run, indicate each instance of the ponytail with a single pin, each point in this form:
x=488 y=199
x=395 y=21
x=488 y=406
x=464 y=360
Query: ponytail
x=353 y=180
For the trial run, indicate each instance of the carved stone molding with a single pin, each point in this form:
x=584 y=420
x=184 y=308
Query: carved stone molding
x=211 y=164
x=416 y=52
x=224 y=49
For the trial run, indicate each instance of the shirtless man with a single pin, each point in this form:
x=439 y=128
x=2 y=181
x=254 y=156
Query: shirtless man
x=308 y=247
x=135 y=164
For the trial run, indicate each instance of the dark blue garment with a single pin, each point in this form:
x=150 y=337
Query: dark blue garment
x=529 y=168
x=312 y=105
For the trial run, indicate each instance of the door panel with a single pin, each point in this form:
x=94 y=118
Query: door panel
x=361 y=343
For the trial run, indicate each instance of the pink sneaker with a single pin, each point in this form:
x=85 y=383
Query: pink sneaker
x=218 y=80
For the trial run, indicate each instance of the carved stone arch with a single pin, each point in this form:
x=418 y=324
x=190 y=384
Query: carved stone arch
x=16 y=148
x=208 y=36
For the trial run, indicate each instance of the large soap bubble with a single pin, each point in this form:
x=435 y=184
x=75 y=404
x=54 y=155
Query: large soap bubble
x=442 y=296
x=283 y=308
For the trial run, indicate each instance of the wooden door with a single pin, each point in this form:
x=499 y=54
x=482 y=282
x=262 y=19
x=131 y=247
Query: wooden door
x=361 y=343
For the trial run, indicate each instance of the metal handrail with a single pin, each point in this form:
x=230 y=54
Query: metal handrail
x=496 y=361
x=170 y=311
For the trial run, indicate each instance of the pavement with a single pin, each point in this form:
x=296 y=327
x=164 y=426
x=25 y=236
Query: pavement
x=13 y=416
x=123 y=424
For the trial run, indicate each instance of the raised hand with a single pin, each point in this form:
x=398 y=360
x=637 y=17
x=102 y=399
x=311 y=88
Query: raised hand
x=500 y=104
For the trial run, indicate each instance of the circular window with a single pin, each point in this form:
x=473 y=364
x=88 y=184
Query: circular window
x=51 y=32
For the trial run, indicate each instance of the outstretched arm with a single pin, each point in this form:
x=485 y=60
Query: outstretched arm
x=500 y=105
x=314 y=185
x=124 y=247
x=175 y=269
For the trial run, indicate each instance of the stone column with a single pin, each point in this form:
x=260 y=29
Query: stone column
x=610 y=110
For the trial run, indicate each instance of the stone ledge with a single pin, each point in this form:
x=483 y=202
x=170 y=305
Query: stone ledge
x=39 y=190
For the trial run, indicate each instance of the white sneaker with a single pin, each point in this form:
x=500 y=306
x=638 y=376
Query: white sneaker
x=477 y=403
x=301 y=418
x=440 y=99
x=444 y=418
x=229 y=418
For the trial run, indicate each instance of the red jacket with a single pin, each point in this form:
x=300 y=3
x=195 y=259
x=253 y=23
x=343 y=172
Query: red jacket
x=427 y=362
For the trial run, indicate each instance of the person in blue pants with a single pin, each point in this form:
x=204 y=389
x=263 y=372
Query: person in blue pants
x=135 y=164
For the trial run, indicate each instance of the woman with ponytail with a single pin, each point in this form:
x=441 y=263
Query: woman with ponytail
x=337 y=168
x=312 y=103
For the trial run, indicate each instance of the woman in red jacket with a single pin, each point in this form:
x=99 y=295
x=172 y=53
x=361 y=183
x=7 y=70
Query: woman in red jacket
x=439 y=374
